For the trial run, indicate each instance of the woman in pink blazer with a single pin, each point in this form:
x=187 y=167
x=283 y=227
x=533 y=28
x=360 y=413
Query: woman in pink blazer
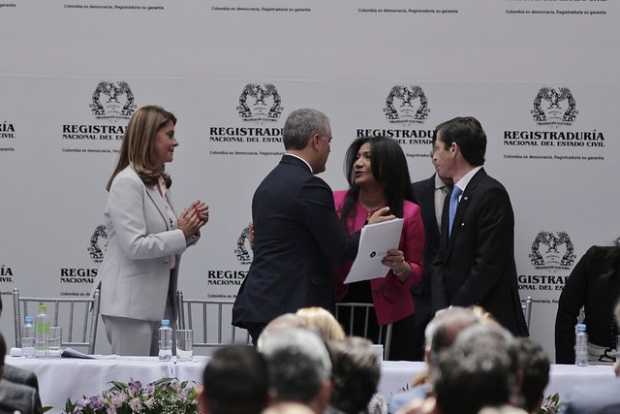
x=378 y=176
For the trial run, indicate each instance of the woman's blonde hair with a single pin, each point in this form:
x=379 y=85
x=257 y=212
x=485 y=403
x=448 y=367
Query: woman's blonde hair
x=323 y=323
x=137 y=146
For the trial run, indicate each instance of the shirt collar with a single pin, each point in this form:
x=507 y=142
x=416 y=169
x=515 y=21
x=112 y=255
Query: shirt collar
x=462 y=183
x=439 y=184
x=299 y=158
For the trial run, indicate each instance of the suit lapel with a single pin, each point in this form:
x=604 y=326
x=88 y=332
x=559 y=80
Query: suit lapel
x=459 y=225
x=156 y=198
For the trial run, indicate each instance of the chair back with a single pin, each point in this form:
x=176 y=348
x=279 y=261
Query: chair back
x=210 y=322
x=347 y=312
x=78 y=318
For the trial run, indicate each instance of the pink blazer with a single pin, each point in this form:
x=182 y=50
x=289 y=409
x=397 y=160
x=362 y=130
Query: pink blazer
x=391 y=297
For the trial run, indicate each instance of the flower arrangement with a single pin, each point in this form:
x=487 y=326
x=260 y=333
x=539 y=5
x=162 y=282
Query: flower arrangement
x=550 y=405
x=167 y=395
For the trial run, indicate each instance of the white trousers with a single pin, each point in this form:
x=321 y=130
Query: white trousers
x=132 y=336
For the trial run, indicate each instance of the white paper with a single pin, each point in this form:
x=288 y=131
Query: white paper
x=375 y=241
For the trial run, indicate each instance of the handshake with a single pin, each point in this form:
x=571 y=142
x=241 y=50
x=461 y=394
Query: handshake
x=193 y=218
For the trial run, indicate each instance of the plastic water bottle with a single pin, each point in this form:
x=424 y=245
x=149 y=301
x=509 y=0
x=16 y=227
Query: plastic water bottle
x=165 y=341
x=41 y=328
x=581 y=345
x=28 y=338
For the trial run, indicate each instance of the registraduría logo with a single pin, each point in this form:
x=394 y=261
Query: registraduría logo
x=554 y=112
x=112 y=105
x=113 y=100
x=97 y=245
x=260 y=102
x=406 y=104
x=244 y=248
x=73 y=277
x=7 y=136
x=552 y=250
x=554 y=106
x=6 y=273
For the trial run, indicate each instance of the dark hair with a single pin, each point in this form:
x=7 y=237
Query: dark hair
x=389 y=167
x=468 y=134
x=355 y=374
x=236 y=381
x=136 y=148
x=293 y=375
x=300 y=125
x=466 y=382
x=534 y=367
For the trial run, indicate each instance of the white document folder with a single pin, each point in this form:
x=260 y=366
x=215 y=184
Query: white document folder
x=375 y=241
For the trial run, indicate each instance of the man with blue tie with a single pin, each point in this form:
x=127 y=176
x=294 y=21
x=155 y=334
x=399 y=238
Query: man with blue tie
x=475 y=264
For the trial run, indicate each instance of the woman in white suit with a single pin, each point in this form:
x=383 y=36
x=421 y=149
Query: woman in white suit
x=145 y=237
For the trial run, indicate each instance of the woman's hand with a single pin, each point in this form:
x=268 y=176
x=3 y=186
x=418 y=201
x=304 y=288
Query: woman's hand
x=381 y=215
x=202 y=211
x=395 y=260
x=189 y=222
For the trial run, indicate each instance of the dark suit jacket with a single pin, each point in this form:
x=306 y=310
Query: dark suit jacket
x=24 y=377
x=476 y=263
x=424 y=196
x=298 y=241
x=17 y=397
x=595 y=284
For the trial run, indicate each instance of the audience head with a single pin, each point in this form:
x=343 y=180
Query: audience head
x=307 y=132
x=355 y=374
x=322 y=322
x=533 y=371
x=235 y=381
x=299 y=366
x=284 y=321
x=148 y=143
x=459 y=140
x=442 y=330
x=491 y=335
x=477 y=371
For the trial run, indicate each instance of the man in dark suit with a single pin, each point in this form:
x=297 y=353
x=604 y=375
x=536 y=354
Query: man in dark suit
x=298 y=236
x=15 y=397
x=430 y=194
x=594 y=284
x=475 y=263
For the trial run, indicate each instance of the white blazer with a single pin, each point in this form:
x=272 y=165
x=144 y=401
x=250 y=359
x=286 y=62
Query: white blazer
x=135 y=273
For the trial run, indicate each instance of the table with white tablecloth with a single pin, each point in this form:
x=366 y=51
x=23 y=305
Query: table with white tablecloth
x=60 y=379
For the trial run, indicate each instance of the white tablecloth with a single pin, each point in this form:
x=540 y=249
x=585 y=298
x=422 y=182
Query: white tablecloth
x=60 y=379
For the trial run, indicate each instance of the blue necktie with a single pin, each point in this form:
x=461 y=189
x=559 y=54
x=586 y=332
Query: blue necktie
x=454 y=202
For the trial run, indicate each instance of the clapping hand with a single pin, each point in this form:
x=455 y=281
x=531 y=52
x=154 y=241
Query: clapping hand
x=189 y=222
x=202 y=211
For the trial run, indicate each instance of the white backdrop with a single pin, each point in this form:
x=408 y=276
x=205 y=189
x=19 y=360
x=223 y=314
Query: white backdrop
x=487 y=58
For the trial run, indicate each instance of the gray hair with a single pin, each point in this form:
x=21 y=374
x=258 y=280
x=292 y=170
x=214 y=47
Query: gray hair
x=443 y=329
x=300 y=125
x=298 y=363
